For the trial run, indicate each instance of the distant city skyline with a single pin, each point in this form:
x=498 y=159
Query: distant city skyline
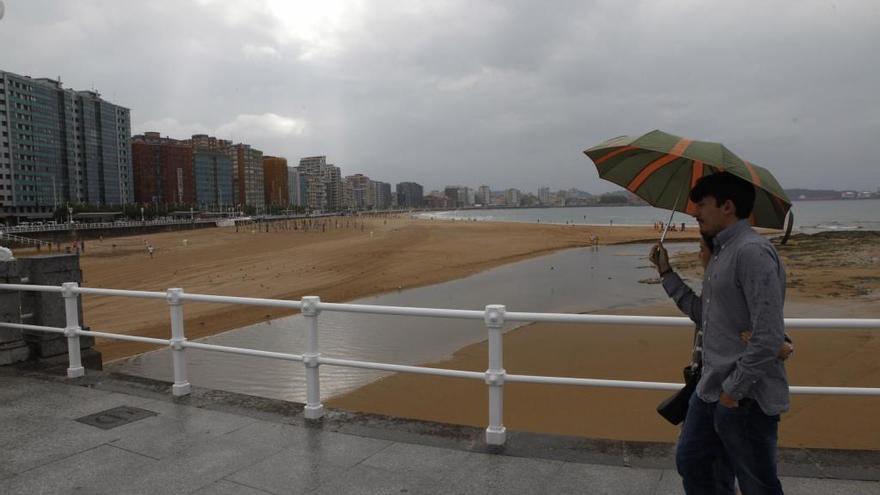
x=478 y=92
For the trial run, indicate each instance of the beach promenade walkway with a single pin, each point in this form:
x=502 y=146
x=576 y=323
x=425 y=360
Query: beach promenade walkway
x=221 y=443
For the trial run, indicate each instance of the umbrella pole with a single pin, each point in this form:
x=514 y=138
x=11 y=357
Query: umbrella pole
x=666 y=227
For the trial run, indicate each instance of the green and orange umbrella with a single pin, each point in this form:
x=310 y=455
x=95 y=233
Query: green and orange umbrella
x=662 y=168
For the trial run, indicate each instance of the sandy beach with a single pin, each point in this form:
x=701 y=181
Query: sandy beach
x=356 y=259
x=829 y=275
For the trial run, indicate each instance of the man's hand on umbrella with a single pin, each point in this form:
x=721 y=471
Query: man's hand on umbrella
x=660 y=258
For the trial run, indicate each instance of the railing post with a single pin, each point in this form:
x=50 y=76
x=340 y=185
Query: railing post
x=314 y=409
x=71 y=311
x=496 y=434
x=181 y=385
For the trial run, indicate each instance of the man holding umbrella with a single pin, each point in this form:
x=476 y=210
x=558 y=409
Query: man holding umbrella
x=743 y=389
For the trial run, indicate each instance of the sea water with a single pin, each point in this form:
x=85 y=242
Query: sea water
x=570 y=281
x=809 y=216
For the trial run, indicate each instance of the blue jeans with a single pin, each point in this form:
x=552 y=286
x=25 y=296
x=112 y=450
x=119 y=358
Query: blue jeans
x=744 y=437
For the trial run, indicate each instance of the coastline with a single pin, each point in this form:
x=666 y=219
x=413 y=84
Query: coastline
x=824 y=270
x=369 y=257
x=818 y=266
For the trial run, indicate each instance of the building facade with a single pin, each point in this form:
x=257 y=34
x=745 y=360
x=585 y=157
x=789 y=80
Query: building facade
x=484 y=195
x=357 y=188
x=332 y=176
x=162 y=170
x=296 y=188
x=247 y=179
x=460 y=196
x=311 y=170
x=324 y=187
x=544 y=195
x=410 y=195
x=275 y=182
x=512 y=197
x=382 y=191
x=212 y=172
x=59 y=145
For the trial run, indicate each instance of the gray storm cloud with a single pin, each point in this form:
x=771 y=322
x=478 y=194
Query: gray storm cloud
x=479 y=92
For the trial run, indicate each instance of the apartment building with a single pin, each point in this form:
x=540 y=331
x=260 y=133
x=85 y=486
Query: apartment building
x=59 y=146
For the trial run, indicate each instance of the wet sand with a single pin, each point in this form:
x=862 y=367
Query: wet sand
x=353 y=260
x=833 y=275
x=840 y=272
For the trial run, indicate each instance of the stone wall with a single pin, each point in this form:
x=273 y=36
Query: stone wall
x=39 y=308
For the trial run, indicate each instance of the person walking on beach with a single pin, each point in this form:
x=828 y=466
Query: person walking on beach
x=735 y=410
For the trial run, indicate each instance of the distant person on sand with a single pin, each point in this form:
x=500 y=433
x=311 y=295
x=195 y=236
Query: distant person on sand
x=150 y=250
x=743 y=387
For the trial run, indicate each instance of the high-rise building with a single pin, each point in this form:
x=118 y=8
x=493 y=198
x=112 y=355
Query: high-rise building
x=360 y=188
x=311 y=171
x=275 y=182
x=544 y=195
x=470 y=197
x=512 y=197
x=410 y=195
x=163 y=170
x=323 y=183
x=212 y=169
x=296 y=187
x=456 y=196
x=484 y=195
x=332 y=176
x=59 y=145
x=382 y=191
x=247 y=179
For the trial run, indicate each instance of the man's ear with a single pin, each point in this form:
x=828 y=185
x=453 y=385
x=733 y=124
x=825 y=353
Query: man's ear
x=728 y=208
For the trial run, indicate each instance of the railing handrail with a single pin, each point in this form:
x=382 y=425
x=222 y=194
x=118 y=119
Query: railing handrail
x=469 y=314
x=494 y=316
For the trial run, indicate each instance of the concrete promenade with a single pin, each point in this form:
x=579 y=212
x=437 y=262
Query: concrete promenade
x=221 y=443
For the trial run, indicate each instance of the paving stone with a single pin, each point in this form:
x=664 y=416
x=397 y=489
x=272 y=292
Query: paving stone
x=102 y=470
x=367 y=480
x=46 y=402
x=602 y=480
x=813 y=486
x=275 y=434
x=289 y=472
x=197 y=467
x=224 y=487
x=191 y=449
x=176 y=429
x=336 y=448
x=670 y=483
x=487 y=474
x=50 y=443
x=429 y=462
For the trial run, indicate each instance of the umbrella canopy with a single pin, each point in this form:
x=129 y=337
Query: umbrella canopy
x=662 y=168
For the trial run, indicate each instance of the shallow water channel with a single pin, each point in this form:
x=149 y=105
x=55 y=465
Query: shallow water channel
x=571 y=281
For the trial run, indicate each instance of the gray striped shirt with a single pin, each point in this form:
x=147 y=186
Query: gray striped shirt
x=743 y=289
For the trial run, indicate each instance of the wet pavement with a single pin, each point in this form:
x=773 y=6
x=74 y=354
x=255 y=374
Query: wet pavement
x=107 y=433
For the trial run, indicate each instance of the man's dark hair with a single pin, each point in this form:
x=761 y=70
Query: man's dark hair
x=723 y=186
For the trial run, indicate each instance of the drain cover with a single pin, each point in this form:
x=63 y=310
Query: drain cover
x=118 y=416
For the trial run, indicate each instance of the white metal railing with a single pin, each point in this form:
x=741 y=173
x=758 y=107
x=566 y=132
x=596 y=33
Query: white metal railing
x=494 y=317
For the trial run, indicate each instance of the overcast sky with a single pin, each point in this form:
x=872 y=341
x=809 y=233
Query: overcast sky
x=504 y=93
